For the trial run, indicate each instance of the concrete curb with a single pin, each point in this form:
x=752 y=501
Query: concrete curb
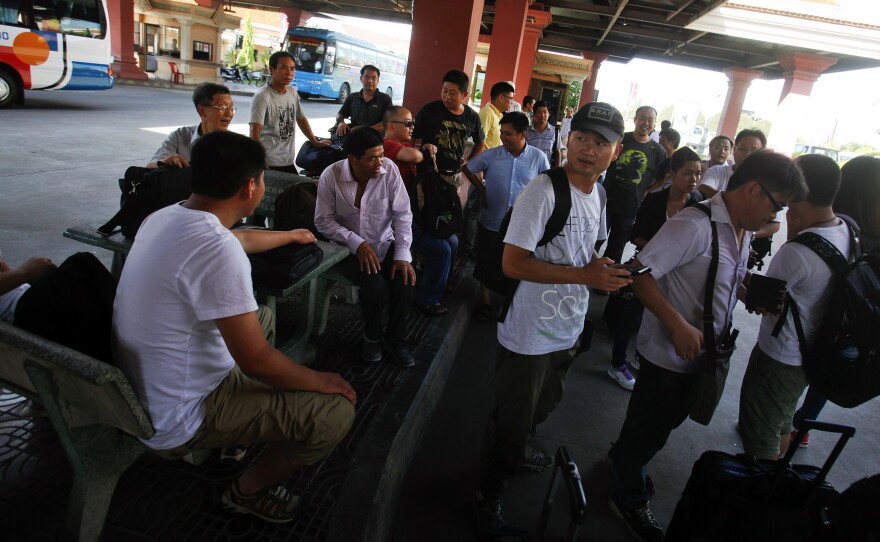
x=369 y=498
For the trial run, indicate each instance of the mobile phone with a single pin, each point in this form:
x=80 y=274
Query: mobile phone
x=635 y=271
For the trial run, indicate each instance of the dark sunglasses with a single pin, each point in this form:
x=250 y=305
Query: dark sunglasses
x=408 y=124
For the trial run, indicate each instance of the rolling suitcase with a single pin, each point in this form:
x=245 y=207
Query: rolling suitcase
x=735 y=498
x=566 y=471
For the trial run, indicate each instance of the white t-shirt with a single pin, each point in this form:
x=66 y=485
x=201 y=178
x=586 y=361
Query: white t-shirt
x=717 y=177
x=185 y=270
x=547 y=318
x=8 y=302
x=808 y=280
x=278 y=114
x=679 y=256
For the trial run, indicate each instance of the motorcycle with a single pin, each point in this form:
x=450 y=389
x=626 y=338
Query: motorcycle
x=231 y=73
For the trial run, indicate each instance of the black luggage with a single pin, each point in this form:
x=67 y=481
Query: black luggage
x=565 y=470
x=736 y=498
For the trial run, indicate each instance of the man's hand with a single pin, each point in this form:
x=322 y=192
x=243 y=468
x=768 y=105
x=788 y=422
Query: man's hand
x=597 y=274
x=367 y=257
x=36 y=267
x=321 y=143
x=687 y=340
x=175 y=161
x=342 y=129
x=302 y=236
x=409 y=274
x=334 y=384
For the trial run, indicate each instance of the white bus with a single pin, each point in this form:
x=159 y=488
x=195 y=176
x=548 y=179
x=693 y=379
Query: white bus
x=53 y=45
x=328 y=64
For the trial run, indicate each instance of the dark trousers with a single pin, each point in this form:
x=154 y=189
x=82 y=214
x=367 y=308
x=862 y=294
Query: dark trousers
x=374 y=289
x=812 y=406
x=619 y=230
x=660 y=402
x=527 y=389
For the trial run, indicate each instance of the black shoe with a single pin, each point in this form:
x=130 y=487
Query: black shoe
x=641 y=521
x=489 y=518
x=402 y=356
x=371 y=351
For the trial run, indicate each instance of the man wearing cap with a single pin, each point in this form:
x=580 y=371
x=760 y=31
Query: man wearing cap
x=547 y=313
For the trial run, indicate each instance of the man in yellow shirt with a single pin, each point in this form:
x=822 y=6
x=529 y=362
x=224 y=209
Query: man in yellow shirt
x=490 y=116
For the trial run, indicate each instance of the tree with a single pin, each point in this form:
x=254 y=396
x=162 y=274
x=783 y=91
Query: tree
x=574 y=95
x=246 y=54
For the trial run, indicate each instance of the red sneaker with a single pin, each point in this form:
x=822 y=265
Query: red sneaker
x=804 y=443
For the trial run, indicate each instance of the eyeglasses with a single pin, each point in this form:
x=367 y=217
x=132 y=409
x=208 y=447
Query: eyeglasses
x=777 y=207
x=408 y=123
x=224 y=108
x=505 y=96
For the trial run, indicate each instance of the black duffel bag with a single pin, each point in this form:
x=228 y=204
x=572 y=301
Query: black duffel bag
x=314 y=160
x=283 y=266
x=145 y=191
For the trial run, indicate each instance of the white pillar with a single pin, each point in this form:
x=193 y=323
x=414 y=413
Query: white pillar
x=186 y=46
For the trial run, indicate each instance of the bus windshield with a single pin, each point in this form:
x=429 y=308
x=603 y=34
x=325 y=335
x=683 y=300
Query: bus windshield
x=308 y=53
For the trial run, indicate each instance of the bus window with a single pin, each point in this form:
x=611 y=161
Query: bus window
x=308 y=53
x=357 y=56
x=344 y=54
x=74 y=17
x=11 y=14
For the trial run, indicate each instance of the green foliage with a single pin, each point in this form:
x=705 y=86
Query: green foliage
x=574 y=95
x=231 y=55
x=263 y=57
x=246 y=54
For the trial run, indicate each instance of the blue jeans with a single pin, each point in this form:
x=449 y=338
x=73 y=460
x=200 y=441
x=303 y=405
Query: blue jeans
x=439 y=257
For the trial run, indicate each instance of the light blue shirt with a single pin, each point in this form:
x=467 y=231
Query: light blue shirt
x=505 y=176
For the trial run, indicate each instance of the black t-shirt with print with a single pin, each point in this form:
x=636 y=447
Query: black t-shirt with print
x=449 y=132
x=629 y=176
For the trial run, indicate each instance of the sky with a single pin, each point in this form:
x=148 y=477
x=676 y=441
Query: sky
x=844 y=106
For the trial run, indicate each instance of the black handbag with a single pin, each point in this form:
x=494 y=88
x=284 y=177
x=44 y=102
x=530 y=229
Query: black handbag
x=715 y=362
x=283 y=266
x=145 y=191
x=314 y=160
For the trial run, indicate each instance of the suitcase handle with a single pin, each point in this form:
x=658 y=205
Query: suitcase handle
x=577 y=498
x=784 y=464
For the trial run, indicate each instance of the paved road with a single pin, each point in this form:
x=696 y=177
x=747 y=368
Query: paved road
x=63 y=152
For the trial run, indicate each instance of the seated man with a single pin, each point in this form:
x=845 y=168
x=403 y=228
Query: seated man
x=190 y=337
x=363 y=204
x=15 y=282
x=214 y=105
x=366 y=107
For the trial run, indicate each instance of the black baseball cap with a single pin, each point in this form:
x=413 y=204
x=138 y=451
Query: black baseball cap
x=600 y=117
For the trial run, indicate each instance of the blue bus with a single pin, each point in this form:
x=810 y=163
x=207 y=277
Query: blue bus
x=328 y=64
x=53 y=45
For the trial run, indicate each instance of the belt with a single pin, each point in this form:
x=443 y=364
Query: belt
x=449 y=172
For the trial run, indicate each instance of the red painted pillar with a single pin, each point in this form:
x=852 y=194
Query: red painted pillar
x=121 y=22
x=447 y=33
x=507 y=32
x=588 y=89
x=535 y=23
x=295 y=17
x=738 y=82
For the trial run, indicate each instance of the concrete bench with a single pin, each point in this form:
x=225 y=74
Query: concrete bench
x=94 y=411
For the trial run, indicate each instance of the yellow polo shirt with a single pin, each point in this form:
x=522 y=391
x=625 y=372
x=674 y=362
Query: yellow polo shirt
x=491 y=119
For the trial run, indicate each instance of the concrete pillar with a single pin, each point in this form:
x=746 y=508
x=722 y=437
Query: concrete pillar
x=121 y=15
x=801 y=71
x=536 y=21
x=438 y=48
x=295 y=17
x=186 y=46
x=738 y=82
x=588 y=88
x=507 y=32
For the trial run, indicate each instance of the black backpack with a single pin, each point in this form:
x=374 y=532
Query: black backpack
x=145 y=191
x=553 y=227
x=441 y=214
x=73 y=306
x=295 y=208
x=843 y=361
x=314 y=160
